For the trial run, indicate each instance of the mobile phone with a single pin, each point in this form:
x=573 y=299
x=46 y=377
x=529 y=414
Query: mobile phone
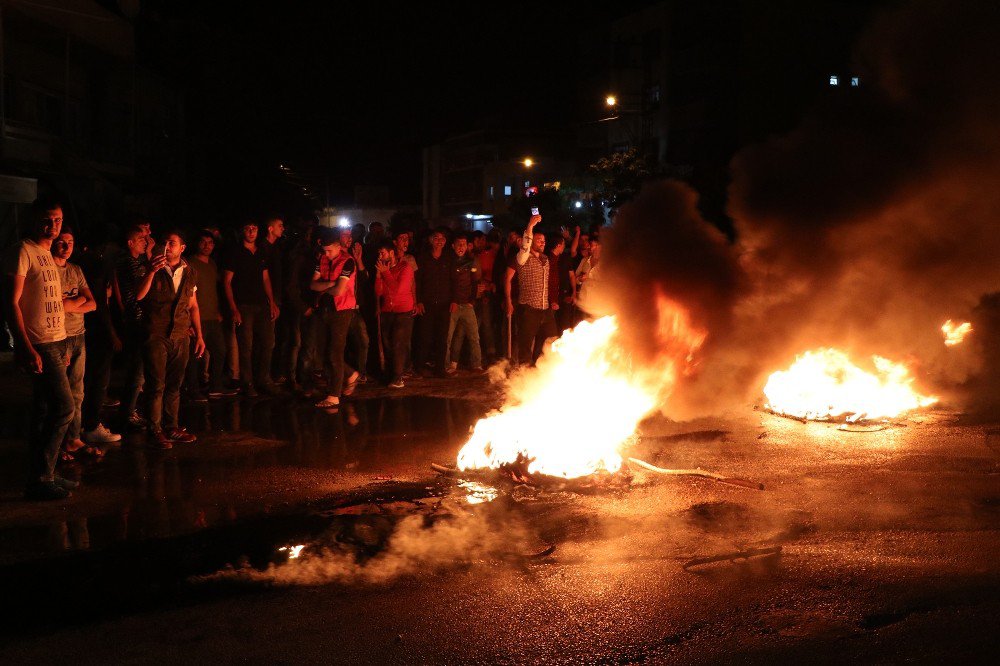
x=534 y=210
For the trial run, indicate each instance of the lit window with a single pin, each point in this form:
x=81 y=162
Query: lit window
x=834 y=80
x=527 y=184
x=507 y=190
x=491 y=193
x=855 y=81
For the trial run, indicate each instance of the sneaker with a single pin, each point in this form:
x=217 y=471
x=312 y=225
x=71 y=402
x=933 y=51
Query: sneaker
x=135 y=420
x=101 y=435
x=111 y=402
x=45 y=492
x=398 y=384
x=158 y=440
x=65 y=484
x=180 y=435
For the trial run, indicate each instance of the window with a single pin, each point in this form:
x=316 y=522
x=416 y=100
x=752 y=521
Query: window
x=527 y=183
x=491 y=193
x=834 y=80
x=855 y=81
x=507 y=190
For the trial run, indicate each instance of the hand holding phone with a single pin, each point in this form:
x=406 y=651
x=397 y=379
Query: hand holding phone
x=534 y=210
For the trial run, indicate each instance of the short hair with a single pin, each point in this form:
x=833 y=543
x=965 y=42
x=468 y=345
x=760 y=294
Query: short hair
x=205 y=233
x=173 y=232
x=327 y=238
x=66 y=229
x=378 y=224
x=133 y=230
x=554 y=240
x=477 y=234
x=248 y=222
x=460 y=235
x=385 y=245
x=400 y=232
x=42 y=205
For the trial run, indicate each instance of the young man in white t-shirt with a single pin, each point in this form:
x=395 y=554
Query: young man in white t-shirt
x=35 y=316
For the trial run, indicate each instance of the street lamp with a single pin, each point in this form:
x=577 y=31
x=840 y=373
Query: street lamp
x=528 y=162
x=611 y=101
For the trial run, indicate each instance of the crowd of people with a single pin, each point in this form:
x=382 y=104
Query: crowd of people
x=266 y=313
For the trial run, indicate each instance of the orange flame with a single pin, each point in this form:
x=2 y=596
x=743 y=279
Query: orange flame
x=585 y=375
x=954 y=334
x=824 y=384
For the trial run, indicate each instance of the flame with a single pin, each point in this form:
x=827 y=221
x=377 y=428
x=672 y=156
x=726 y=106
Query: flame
x=955 y=334
x=570 y=416
x=824 y=384
x=293 y=551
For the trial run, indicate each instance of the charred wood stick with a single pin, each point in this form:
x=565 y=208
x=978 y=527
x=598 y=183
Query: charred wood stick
x=743 y=483
x=732 y=557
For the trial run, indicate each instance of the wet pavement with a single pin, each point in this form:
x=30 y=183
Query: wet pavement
x=289 y=534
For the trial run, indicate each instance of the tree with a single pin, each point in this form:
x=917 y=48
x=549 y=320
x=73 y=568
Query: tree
x=620 y=175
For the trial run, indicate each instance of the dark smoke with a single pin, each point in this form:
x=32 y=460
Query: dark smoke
x=864 y=228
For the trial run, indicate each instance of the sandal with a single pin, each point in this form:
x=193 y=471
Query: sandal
x=352 y=383
x=329 y=401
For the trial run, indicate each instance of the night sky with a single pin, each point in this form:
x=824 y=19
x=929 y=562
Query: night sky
x=356 y=93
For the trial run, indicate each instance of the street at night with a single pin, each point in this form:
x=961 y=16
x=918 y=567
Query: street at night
x=888 y=543
x=651 y=331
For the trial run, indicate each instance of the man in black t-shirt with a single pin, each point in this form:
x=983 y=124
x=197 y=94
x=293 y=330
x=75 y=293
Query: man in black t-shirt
x=247 y=285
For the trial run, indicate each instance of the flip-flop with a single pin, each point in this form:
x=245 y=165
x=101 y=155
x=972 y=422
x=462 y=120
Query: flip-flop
x=326 y=402
x=351 y=385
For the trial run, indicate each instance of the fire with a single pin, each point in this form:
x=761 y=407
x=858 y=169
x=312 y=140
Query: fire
x=955 y=334
x=824 y=384
x=572 y=414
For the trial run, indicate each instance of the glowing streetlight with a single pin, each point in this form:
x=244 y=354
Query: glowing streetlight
x=611 y=100
x=528 y=162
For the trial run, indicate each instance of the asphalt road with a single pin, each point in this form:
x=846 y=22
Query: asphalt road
x=889 y=544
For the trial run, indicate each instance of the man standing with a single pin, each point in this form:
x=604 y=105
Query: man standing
x=274 y=255
x=535 y=321
x=171 y=310
x=251 y=301
x=77 y=300
x=207 y=282
x=485 y=250
x=131 y=281
x=334 y=279
x=463 y=324
x=357 y=336
x=434 y=298
x=35 y=318
x=394 y=287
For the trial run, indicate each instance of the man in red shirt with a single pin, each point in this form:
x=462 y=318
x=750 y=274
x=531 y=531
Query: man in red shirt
x=394 y=287
x=334 y=279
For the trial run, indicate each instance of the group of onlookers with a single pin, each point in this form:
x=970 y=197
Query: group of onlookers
x=267 y=314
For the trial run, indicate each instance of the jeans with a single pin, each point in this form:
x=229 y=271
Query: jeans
x=166 y=361
x=463 y=324
x=52 y=410
x=133 y=340
x=290 y=340
x=433 y=329
x=333 y=329
x=76 y=350
x=358 y=337
x=487 y=334
x=97 y=376
x=397 y=330
x=255 y=337
x=215 y=346
x=307 y=353
x=533 y=327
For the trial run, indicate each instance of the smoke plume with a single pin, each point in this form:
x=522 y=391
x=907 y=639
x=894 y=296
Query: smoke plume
x=865 y=228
